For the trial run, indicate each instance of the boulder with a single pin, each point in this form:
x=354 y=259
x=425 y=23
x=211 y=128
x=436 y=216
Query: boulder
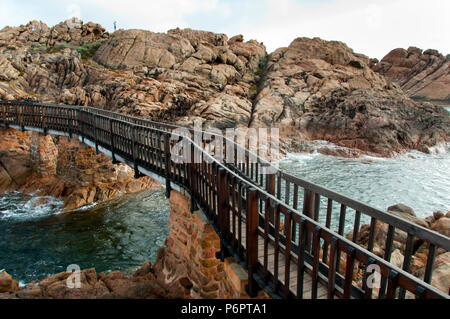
x=422 y=75
x=322 y=90
x=442 y=226
x=7 y=284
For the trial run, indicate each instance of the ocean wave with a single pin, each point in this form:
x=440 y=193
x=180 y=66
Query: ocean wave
x=21 y=207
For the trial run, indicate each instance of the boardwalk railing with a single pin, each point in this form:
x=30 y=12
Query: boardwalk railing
x=288 y=251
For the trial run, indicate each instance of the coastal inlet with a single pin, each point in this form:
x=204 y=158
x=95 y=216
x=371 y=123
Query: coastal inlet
x=39 y=240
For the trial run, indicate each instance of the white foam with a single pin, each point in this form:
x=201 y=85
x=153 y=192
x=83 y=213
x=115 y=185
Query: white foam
x=17 y=206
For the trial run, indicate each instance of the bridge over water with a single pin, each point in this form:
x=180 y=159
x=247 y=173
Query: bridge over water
x=278 y=226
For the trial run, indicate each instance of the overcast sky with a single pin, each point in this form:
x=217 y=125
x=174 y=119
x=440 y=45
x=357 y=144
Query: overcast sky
x=372 y=27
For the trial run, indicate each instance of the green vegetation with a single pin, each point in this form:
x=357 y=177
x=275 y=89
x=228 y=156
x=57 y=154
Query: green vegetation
x=21 y=73
x=52 y=49
x=253 y=91
x=10 y=47
x=87 y=50
x=261 y=65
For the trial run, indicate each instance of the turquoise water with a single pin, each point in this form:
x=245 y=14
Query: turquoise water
x=418 y=180
x=38 y=240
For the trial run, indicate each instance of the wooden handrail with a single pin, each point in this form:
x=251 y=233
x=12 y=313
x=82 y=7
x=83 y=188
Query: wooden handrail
x=147 y=146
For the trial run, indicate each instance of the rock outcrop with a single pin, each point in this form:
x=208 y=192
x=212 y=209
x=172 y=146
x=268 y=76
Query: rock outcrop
x=422 y=75
x=311 y=90
x=63 y=168
x=7 y=284
x=72 y=31
x=317 y=89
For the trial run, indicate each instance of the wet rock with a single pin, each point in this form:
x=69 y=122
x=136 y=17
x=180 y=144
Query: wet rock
x=316 y=89
x=59 y=167
x=7 y=284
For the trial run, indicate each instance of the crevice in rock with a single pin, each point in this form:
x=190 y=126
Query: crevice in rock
x=259 y=87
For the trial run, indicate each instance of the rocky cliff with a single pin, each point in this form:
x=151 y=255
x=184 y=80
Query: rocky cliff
x=313 y=89
x=63 y=168
x=423 y=75
x=316 y=89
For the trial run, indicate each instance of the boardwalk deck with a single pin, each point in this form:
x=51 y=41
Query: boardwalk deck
x=307 y=282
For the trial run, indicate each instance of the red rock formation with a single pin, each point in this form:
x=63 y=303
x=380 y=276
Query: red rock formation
x=63 y=168
x=422 y=75
x=317 y=89
x=313 y=89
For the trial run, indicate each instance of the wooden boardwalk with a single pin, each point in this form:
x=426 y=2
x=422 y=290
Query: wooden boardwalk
x=223 y=193
x=307 y=280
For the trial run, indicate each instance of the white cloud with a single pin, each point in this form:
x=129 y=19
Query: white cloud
x=152 y=15
x=371 y=27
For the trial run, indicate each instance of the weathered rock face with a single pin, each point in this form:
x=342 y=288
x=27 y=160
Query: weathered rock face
x=313 y=89
x=62 y=168
x=422 y=75
x=184 y=75
x=7 y=284
x=72 y=31
x=113 y=285
x=316 y=89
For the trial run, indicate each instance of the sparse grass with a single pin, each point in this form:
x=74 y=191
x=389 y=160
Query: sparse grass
x=261 y=65
x=53 y=49
x=86 y=50
x=253 y=91
x=37 y=48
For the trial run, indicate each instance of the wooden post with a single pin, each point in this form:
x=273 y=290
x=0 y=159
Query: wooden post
x=133 y=151
x=4 y=116
x=95 y=134
x=223 y=210
x=44 y=121
x=192 y=179
x=22 y=127
x=270 y=187
x=168 y=168
x=252 y=240
x=111 y=137
x=308 y=208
